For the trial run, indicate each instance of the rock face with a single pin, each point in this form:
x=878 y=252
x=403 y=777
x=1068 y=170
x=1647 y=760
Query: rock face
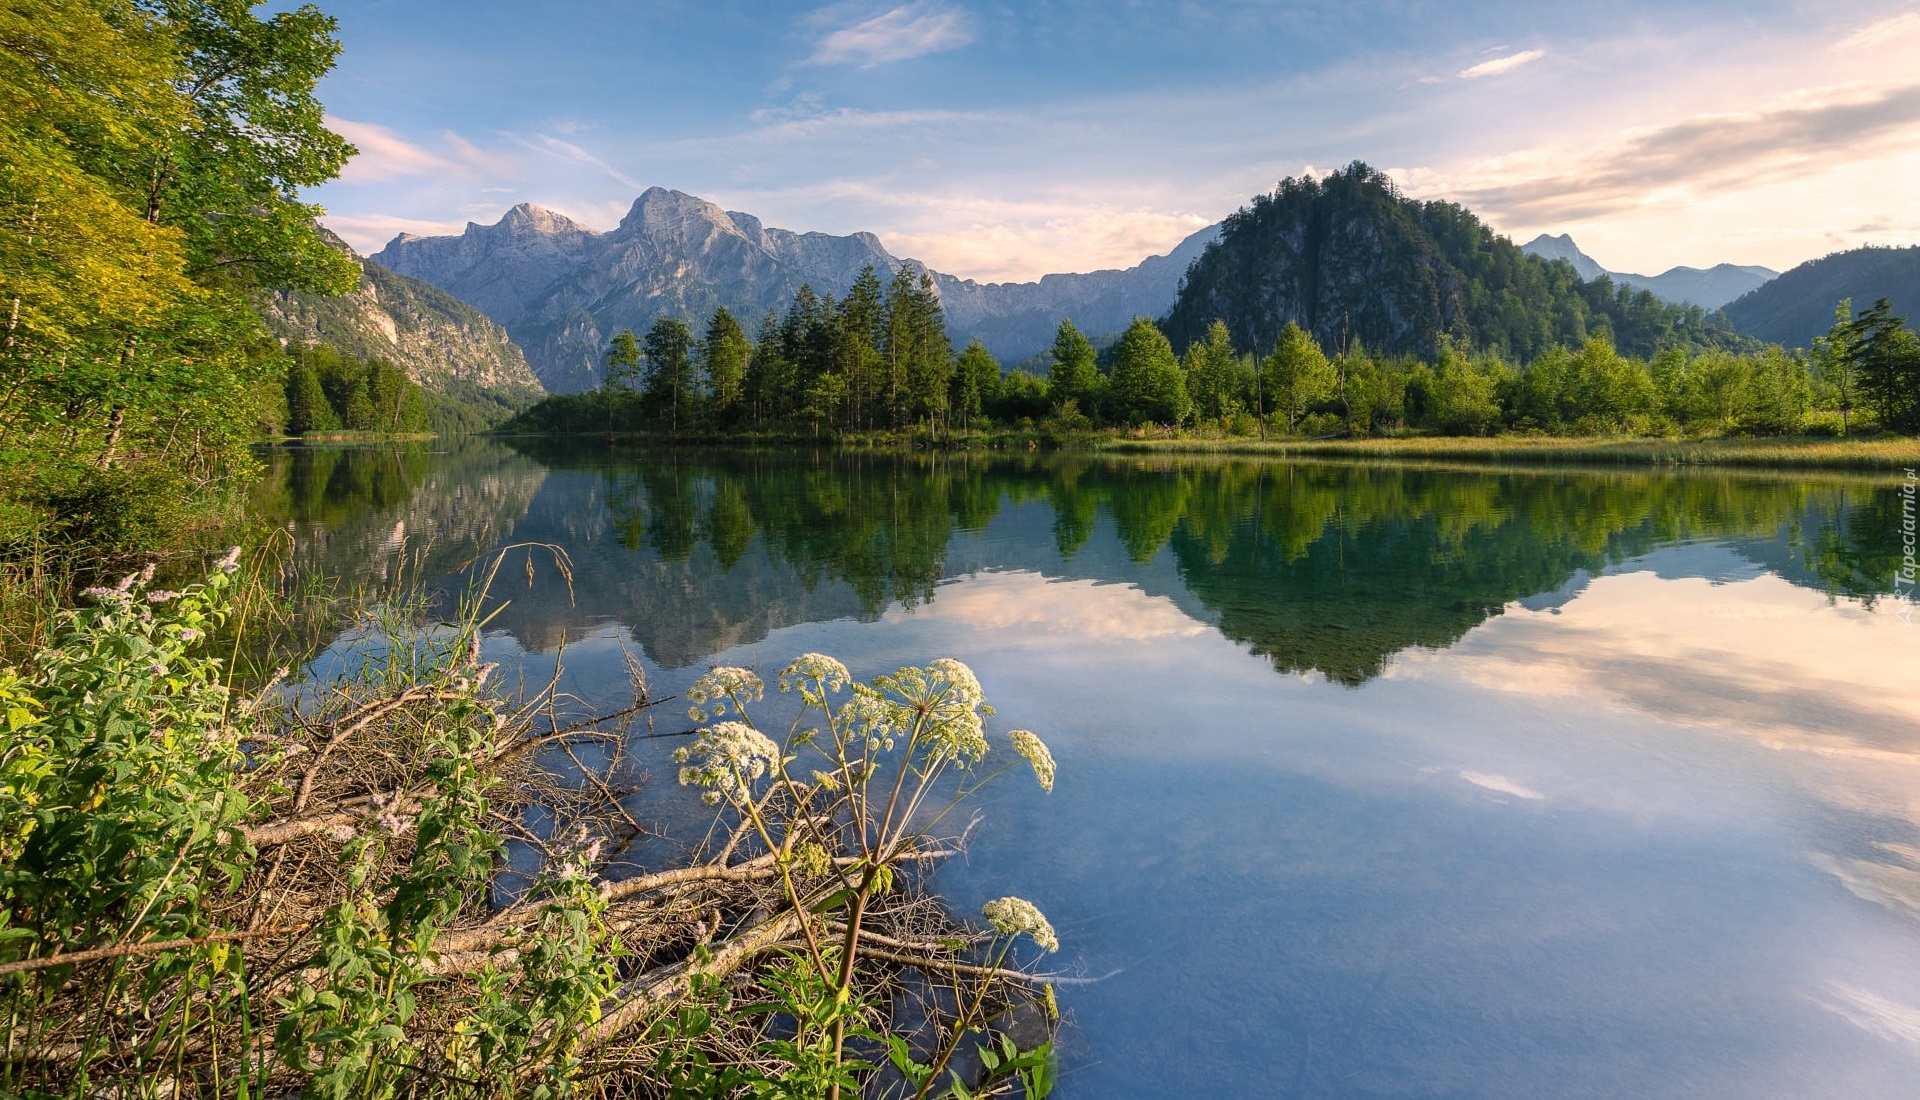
x=1709 y=289
x=564 y=291
x=446 y=345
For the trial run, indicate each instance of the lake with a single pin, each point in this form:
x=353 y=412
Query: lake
x=1373 y=781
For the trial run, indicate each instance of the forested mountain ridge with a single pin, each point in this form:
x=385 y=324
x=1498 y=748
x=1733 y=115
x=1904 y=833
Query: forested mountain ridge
x=440 y=341
x=1708 y=288
x=1351 y=260
x=564 y=291
x=1798 y=306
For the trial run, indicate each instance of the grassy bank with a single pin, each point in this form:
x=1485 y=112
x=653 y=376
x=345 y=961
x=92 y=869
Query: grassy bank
x=1782 y=453
x=1786 y=452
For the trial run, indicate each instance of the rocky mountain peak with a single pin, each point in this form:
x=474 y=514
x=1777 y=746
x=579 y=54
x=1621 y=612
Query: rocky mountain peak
x=665 y=215
x=527 y=218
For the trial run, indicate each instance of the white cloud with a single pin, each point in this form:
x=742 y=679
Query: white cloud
x=368 y=233
x=385 y=155
x=1500 y=65
x=553 y=146
x=1674 y=161
x=909 y=31
x=1875 y=33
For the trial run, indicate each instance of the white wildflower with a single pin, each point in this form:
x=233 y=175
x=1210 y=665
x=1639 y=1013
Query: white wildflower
x=230 y=564
x=340 y=834
x=956 y=711
x=1010 y=916
x=105 y=595
x=1037 y=754
x=726 y=758
x=393 y=823
x=711 y=693
x=875 y=717
x=189 y=634
x=162 y=595
x=809 y=667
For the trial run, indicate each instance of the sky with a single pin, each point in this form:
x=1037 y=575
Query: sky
x=1005 y=140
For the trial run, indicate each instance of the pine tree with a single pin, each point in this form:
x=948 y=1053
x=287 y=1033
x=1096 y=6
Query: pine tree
x=723 y=360
x=669 y=372
x=1075 y=375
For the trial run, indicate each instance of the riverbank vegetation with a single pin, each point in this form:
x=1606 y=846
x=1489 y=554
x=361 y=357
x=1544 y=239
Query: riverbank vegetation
x=879 y=363
x=397 y=882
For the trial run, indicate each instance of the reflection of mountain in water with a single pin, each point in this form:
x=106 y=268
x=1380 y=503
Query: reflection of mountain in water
x=354 y=511
x=1327 y=568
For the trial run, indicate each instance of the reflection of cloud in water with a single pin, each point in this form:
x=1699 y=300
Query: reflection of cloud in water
x=1501 y=784
x=1042 y=611
x=1761 y=656
x=1889 y=1019
x=1830 y=684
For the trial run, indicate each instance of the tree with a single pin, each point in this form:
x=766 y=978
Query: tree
x=151 y=155
x=863 y=328
x=1296 y=374
x=1835 y=353
x=1075 y=375
x=1209 y=364
x=669 y=372
x=723 y=360
x=1462 y=396
x=1147 y=385
x=307 y=408
x=976 y=382
x=918 y=359
x=1888 y=358
x=622 y=363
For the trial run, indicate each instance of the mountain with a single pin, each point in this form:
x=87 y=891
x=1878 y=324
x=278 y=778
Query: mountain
x=446 y=345
x=1798 y=306
x=1563 y=248
x=1350 y=259
x=563 y=290
x=1708 y=289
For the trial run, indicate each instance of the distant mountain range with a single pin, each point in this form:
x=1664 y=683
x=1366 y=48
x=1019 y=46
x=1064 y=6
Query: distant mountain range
x=443 y=343
x=1709 y=289
x=1798 y=306
x=563 y=290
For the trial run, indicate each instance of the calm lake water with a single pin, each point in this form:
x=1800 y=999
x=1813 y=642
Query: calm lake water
x=1374 y=781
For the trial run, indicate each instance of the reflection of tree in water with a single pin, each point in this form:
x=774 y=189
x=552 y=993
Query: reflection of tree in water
x=1317 y=567
x=351 y=510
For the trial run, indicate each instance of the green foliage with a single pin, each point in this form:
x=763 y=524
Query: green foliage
x=1212 y=375
x=1348 y=258
x=1794 y=309
x=723 y=361
x=1887 y=363
x=1147 y=385
x=326 y=391
x=1074 y=375
x=1295 y=377
x=149 y=159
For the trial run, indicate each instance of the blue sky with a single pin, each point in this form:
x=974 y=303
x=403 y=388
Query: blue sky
x=1006 y=140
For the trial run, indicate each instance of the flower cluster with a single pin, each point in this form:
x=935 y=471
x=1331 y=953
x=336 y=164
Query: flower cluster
x=875 y=717
x=123 y=592
x=725 y=759
x=1010 y=916
x=389 y=819
x=956 y=710
x=1036 y=753
x=814 y=667
x=711 y=693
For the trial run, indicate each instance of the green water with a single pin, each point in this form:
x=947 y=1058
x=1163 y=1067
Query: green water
x=1375 y=781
